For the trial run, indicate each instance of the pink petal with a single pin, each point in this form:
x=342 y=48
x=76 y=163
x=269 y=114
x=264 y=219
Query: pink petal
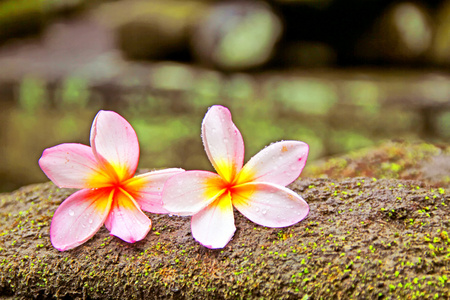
x=126 y=220
x=72 y=166
x=269 y=205
x=147 y=188
x=223 y=142
x=114 y=143
x=79 y=217
x=213 y=226
x=280 y=163
x=187 y=193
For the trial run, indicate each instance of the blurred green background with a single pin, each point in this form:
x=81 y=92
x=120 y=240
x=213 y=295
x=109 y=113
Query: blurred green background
x=280 y=67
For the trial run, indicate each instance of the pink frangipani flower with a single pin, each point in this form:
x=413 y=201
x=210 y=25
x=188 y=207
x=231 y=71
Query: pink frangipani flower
x=109 y=193
x=257 y=190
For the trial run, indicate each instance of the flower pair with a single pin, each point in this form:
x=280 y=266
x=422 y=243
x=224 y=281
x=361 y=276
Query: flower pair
x=110 y=193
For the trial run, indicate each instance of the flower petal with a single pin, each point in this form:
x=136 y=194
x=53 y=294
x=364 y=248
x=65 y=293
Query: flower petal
x=280 y=163
x=79 y=217
x=269 y=204
x=146 y=189
x=126 y=220
x=72 y=166
x=213 y=226
x=223 y=142
x=187 y=193
x=115 y=144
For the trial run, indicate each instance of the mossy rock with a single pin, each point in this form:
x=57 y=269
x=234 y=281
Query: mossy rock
x=364 y=238
x=423 y=161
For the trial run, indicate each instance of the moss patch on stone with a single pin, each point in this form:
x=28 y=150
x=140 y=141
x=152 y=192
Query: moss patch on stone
x=363 y=238
x=398 y=160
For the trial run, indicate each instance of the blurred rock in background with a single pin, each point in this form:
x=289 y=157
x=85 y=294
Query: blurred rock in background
x=236 y=35
x=152 y=29
x=441 y=43
x=402 y=34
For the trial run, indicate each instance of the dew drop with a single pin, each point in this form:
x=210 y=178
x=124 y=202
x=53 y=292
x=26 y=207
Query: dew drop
x=71 y=212
x=90 y=221
x=257 y=209
x=264 y=212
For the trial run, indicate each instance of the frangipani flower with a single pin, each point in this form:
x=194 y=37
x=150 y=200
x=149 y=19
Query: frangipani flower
x=109 y=193
x=257 y=189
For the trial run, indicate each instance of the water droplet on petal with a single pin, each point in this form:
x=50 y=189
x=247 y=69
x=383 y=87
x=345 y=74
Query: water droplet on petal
x=257 y=209
x=90 y=221
x=71 y=212
x=264 y=212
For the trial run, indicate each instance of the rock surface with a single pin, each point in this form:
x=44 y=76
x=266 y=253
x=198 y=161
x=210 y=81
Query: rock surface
x=400 y=160
x=364 y=238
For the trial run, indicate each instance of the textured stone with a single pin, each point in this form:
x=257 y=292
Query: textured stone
x=364 y=238
x=427 y=162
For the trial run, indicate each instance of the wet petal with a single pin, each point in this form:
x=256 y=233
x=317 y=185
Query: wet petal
x=115 y=144
x=126 y=220
x=269 y=205
x=187 y=193
x=223 y=142
x=79 y=217
x=146 y=189
x=280 y=163
x=72 y=166
x=213 y=226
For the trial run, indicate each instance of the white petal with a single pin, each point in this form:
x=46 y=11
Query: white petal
x=213 y=226
x=280 y=163
x=269 y=204
x=115 y=144
x=147 y=189
x=79 y=217
x=187 y=193
x=72 y=166
x=126 y=220
x=223 y=142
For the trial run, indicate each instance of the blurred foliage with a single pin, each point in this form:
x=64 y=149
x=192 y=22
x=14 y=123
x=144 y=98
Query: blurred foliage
x=166 y=112
x=32 y=94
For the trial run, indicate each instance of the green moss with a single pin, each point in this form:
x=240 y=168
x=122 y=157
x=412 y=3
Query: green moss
x=397 y=160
